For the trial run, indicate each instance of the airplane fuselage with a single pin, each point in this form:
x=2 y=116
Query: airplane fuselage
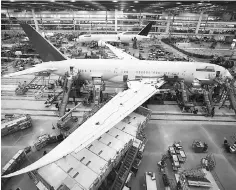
x=119 y=70
x=122 y=37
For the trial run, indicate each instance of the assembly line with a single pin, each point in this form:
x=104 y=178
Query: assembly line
x=131 y=110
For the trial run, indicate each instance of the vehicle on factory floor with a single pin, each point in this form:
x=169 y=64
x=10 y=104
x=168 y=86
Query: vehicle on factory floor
x=229 y=148
x=15 y=123
x=199 y=146
x=150 y=181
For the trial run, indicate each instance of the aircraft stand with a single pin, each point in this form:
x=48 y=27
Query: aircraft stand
x=98 y=87
x=182 y=99
x=228 y=93
x=22 y=89
x=67 y=88
x=208 y=103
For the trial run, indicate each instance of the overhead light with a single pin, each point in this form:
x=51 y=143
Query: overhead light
x=114 y=1
x=12 y=0
x=135 y=1
x=199 y=3
x=52 y=0
x=178 y=3
x=72 y=0
x=132 y=6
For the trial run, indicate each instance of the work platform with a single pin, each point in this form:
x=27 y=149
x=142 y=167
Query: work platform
x=88 y=168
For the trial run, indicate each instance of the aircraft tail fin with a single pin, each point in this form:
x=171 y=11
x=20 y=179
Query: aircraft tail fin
x=146 y=29
x=44 y=48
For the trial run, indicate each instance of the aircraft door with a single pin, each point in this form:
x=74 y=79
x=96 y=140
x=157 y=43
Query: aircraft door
x=125 y=78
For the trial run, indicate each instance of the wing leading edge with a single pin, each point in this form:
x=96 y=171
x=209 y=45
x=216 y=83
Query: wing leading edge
x=124 y=103
x=119 y=53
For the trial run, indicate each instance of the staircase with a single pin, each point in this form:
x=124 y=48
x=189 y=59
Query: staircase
x=207 y=101
x=67 y=89
x=232 y=98
x=223 y=98
x=124 y=168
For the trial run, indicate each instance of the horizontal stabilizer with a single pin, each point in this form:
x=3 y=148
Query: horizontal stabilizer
x=146 y=29
x=45 y=49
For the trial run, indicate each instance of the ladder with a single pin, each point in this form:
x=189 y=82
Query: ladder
x=231 y=95
x=66 y=92
x=223 y=98
x=124 y=168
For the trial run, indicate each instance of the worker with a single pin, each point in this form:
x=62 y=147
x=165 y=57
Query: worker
x=24 y=85
x=205 y=147
x=213 y=112
x=178 y=185
x=225 y=140
x=19 y=85
x=195 y=110
x=45 y=152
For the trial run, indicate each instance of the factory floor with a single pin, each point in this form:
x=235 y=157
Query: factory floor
x=168 y=124
x=162 y=134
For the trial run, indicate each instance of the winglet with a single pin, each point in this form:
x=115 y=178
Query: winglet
x=146 y=29
x=45 y=49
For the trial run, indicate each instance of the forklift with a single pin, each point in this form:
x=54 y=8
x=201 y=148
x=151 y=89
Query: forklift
x=199 y=146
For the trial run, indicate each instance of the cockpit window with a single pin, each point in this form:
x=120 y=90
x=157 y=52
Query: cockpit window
x=206 y=68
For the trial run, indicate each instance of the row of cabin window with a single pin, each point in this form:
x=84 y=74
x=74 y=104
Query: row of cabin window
x=141 y=72
x=84 y=71
x=155 y=72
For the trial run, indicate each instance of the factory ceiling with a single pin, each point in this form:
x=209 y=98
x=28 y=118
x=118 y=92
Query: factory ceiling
x=173 y=7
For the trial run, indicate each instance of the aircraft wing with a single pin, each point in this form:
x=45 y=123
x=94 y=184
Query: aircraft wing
x=119 y=53
x=103 y=120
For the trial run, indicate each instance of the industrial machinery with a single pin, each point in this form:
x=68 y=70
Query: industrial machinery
x=44 y=140
x=182 y=98
x=22 y=89
x=199 y=147
x=64 y=123
x=15 y=124
x=11 y=166
x=230 y=148
x=207 y=108
x=208 y=162
x=52 y=99
x=99 y=86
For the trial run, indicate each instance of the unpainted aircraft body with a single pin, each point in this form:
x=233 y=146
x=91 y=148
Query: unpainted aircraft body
x=116 y=70
x=133 y=71
x=123 y=37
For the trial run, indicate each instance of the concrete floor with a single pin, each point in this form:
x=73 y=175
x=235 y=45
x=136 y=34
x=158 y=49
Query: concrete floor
x=168 y=125
x=162 y=134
